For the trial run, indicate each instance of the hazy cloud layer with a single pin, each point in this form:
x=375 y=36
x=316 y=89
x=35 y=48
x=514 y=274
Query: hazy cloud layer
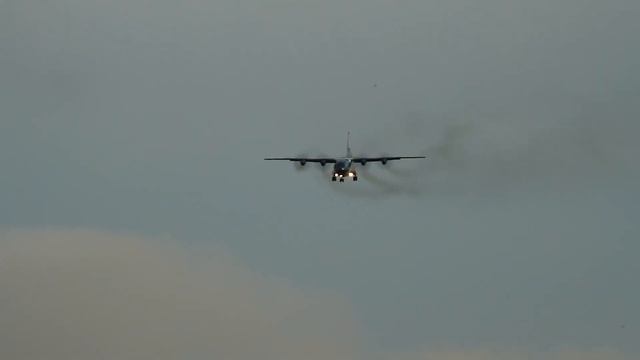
x=93 y=295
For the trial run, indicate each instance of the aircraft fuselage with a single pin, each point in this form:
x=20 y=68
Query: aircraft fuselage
x=343 y=169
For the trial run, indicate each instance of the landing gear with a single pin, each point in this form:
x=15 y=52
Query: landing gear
x=341 y=179
x=333 y=178
x=355 y=178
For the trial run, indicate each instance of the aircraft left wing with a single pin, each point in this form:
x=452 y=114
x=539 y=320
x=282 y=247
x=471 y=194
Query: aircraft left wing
x=305 y=160
x=383 y=159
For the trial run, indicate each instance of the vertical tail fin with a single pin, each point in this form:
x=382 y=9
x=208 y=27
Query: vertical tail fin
x=348 y=145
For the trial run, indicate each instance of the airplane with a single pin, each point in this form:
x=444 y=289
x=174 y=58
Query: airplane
x=344 y=166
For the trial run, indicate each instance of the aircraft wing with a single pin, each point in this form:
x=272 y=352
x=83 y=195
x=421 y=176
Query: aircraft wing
x=383 y=159
x=303 y=159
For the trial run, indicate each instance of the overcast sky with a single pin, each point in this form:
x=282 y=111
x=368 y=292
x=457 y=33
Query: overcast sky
x=144 y=123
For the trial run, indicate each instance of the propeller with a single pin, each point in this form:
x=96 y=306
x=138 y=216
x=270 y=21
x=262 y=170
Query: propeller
x=299 y=166
x=384 y=160
x=323 y=155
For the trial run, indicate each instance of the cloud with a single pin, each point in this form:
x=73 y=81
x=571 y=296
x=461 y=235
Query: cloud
x=91 y=295
x=79 y=294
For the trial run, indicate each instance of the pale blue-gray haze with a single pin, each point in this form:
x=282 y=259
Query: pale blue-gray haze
x=139 y=220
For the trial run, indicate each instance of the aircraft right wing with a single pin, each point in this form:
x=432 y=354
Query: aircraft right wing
x=383 y=159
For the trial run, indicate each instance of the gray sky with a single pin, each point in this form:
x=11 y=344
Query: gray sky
x=148 y=121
